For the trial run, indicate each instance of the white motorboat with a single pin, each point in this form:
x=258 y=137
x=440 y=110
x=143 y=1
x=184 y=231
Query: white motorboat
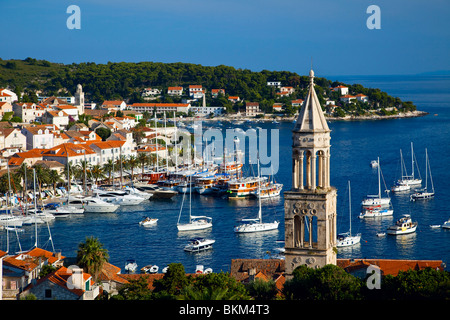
x=139 y=193
x=446 y=224
x=403 y=226
x=374 y=200
x=199 y=244
x=375 y=211
x=8 y=220
x=424 y=194
x=131 y=266
x=119 y=197
x=150 y=269
x=347 y=239
x=256 y=225
x=148 y=221
x=93 y=204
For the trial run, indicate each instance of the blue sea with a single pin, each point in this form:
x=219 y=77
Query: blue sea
x=354 y=145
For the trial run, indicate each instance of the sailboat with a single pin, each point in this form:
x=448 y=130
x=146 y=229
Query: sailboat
x=375 y=200
x=411 y=180
x=256 y=225
x=424 y=194
x=401 y=184
x=347 y=239
x=195 y=222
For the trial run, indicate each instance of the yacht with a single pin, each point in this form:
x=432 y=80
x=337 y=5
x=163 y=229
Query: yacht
x=199 y=244
x=256 y=225
x=131 y=266
x=375 y=211
x=244 y=187
x=347 y=239
x=93 y=204
x=8 y=220
x=119 y=197
x=403 y=226
x=375 y=200
x=271 y=190
x=424 y=194
x=446 y=224
x=411 y=180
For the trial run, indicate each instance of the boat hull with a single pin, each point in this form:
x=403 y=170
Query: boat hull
x=256 y=227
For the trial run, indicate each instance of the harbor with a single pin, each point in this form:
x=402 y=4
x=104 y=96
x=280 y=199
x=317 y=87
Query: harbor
x=355 y=145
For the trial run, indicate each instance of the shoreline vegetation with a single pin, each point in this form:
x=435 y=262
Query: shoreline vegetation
x=278 y=94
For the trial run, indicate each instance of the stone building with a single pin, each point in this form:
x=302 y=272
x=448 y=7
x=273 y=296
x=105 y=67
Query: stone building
x=310 y=206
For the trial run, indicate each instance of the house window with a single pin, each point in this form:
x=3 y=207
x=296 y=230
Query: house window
x=48 y=293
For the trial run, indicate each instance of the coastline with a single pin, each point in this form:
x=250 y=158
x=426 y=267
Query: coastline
x=411 y=114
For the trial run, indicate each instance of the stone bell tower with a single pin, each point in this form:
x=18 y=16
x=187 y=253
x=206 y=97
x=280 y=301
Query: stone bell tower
x=310 y=206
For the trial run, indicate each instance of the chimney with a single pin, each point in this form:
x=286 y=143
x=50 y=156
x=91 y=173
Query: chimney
x=76 y=280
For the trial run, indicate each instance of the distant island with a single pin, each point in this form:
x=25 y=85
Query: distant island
x=264 y=94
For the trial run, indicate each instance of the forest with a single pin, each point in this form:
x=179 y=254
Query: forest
x=126 y=80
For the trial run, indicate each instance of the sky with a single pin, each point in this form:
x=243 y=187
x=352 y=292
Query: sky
x=413 y=38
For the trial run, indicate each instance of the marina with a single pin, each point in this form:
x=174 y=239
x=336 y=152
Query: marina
x=162 y=243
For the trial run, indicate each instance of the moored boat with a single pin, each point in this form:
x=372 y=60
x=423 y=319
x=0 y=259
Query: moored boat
x=199 y=244
x=404 y=225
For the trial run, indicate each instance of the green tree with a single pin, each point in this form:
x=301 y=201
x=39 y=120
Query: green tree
x=173 y=282
x=135 y=289
x=91 y=256
x=54 y=178
x=327 y=283
x=262 y=290
x=104 y=133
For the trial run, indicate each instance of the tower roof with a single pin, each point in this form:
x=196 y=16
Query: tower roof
x=311 y=116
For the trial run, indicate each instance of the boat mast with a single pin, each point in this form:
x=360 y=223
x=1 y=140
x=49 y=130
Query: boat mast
x=426 y=169
x=350 y=207
x=156 y=142
x=165 y=136
x=35 y=209
x=412 y=161
x=429 y=169
x=379 y=182
x=259 y=193
x=176 y=142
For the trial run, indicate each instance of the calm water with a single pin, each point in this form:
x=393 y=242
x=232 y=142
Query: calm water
x=354 y=145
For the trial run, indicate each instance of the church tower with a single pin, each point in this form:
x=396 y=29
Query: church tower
x=79 y=99
x=310 y=206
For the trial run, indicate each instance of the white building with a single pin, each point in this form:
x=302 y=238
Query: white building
x=114 y=105
x=58 y=118
x=175 y=91
x=161 y=107
x=362 y=97
x=276 y=84
x=343 y=90
x=40 y=136
x=7 y=96
x=149 y=92
x=202 y=111
x=348 y=98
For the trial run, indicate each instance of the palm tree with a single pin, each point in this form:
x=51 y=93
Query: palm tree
x=132 y=163
x=108 y=167
x=20 y=174
x=91 y=256
x=97 y=172
x=54 y=178
x=143 y=159
x=42 y=176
